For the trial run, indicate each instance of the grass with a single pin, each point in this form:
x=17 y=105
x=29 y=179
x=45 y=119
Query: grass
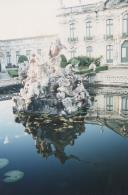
x=13 y=72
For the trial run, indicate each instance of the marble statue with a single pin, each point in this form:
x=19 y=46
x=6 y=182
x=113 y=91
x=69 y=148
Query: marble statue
x=50 y=89
x=92 y=66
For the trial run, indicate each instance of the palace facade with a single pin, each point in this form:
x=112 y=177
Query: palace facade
x=10 y=50
x=96 y=30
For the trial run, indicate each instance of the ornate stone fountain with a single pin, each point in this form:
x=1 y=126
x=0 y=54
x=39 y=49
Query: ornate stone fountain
x=50 y=89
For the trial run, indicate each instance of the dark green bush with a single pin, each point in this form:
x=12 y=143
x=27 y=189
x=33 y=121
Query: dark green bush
x=98 y=69
x=13 y=72
x=101 y=68
x=84 y=61
x=22 y=59
x=63 y=62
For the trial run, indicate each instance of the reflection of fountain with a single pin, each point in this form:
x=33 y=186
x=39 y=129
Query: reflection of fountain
x=53 y=134
x=50 y=89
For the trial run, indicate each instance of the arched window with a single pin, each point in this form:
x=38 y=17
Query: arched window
x=89 y=51
x=125 y=24
x=124 y=53
x=124 y=105
x=89 y=29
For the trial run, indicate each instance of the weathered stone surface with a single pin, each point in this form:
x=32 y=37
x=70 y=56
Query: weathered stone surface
x=50 y=89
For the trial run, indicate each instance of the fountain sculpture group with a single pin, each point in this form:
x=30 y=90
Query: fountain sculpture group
x=50 y=89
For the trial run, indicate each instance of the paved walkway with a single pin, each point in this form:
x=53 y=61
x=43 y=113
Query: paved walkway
x=4 y=76
x=5 y=80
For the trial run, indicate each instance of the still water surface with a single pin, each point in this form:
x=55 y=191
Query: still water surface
x=87 y=159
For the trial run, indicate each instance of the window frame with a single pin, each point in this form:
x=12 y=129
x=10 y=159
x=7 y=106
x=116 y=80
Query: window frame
x=109 y=103
x=109 y=53
x=89 y=29
x=124 y=108
x=109 y=27
x=124 y=46
x=125 y=24
x=89 y=51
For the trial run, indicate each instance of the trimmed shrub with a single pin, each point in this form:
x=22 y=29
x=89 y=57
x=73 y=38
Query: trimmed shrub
x=13 y=73
x=63 y=62
x=84 y=61
x=22 y=59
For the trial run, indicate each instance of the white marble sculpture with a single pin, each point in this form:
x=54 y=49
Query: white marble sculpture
x=92 y=67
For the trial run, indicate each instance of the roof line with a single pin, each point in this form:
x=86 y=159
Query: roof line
x=85 y=5
x=31 y=37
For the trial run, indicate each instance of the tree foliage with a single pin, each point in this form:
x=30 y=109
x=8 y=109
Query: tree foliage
x=22 y=59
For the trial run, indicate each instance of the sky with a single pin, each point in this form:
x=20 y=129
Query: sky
x=23 y=18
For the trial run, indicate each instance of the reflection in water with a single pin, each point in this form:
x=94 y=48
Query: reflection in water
x=98 y=162
x=52 y=135
x=110 y=108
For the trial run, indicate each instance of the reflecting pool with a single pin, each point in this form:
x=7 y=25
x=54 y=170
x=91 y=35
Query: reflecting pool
x=76 y=156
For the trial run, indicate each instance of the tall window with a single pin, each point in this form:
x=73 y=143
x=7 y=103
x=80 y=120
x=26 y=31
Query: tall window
x=109 y=27
x=73 y=35
x=124 y=104
x=124 y=53
x=89 y=29
x=73 y=53
x=72 y=29
x=89 y=51
x=8 y=54
x=125 y=24
x=17 y=56
x=28 y=53
x=39 y=52
x=109 y=53
x=109 y=103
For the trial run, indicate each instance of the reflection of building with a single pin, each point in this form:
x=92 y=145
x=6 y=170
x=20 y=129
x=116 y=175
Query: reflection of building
x=10 y=50
x=99 y=29
x=111 y=102
x=110 y=108
x=52 y=134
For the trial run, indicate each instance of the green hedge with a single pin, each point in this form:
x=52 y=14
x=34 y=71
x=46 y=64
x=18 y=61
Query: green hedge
x=13 y=73
x=101 y=68
x=64 y=61
x=84 y=61
x=22 y=59
x=98 y=69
